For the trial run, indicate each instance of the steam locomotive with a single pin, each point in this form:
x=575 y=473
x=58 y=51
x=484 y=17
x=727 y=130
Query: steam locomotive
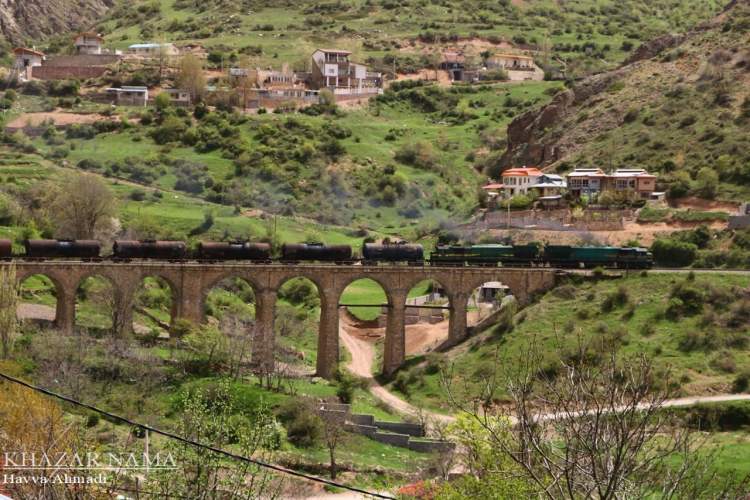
x=531 y=255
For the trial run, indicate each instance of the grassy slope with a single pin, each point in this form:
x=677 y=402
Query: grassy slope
x=373 y=29
x=443 y=193
x=555 y=323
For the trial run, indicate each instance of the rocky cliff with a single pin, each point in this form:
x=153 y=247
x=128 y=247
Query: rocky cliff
x=23 y=22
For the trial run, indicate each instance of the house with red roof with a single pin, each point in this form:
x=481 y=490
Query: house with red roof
x=518 y=181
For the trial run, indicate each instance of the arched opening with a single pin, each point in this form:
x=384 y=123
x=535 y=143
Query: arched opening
x=427 y=317
x=230 y=307
x=95 y=305
x=297 y=325
x=486 y=302
x=363 y=324
x=153 y=308
x=37 y=299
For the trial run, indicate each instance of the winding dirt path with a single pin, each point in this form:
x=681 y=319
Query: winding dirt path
x=363 y=354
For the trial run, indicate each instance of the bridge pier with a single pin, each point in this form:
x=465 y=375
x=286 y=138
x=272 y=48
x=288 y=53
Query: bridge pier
x=457 y=320
x=65 y=312
x=394 y=351
x=264 y=339
x=328 y=338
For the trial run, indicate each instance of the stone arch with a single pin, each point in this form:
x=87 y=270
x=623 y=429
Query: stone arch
x=214 y=281
x=117 y=321
x=173 y=293
x=305 y=345
x=58 y=291
x=439 y=296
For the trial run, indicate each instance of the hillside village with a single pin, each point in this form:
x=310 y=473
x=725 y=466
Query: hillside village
x=355 y=249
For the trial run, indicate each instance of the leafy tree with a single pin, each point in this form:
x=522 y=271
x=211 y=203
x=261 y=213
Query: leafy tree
x=190 y=76
x=81 y=206
x=707 y=182
x=673 y=253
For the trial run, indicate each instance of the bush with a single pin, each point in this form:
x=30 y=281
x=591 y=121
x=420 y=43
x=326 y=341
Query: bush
x=418 y=154
x=304 y=427
x=618 y=298
x=741 y=382
x=672 y=253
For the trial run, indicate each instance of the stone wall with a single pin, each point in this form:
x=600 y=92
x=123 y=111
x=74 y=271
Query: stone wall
x=67 y=72
x=555 y=220
x=81 y=61
x=739 y=221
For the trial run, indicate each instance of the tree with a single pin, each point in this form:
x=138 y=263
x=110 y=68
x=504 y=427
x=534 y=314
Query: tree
x=191 y=78
x=162 y=102
x=82 y=207
x=211 y=416
x=8 y=305
x=333 y=433
x=590 y=425
x=707 y=182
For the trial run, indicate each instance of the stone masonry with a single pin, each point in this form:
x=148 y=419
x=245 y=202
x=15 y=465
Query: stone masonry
x=191 y=282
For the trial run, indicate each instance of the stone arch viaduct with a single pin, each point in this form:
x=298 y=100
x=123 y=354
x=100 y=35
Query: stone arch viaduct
x=191 y=282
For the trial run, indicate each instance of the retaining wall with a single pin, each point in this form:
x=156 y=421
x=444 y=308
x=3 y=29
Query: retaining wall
x=739 y=221
x=83 y=60
x=67 y=72
x=401 y=428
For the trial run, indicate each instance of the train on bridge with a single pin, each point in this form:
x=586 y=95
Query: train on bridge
x=531 y=255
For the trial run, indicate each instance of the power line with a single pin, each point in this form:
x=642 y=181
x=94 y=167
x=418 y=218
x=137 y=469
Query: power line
x=219 y=451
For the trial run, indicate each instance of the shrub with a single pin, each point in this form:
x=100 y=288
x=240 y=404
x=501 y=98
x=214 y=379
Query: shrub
x=618 y=298
x=304 y=427
x=418 y=154
x=673 y=253
x=741 y=382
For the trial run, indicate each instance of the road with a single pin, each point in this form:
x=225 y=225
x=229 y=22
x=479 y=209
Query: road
x=363 y=354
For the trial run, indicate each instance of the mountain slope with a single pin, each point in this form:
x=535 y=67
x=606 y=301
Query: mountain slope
x=30 y=21
x=679 y=105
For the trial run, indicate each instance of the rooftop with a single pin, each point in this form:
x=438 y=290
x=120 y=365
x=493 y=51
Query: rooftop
x=333 y=51
x=494 y=185
x=587 y=172
x=522 y=172
x=631 y=172
x=24 y=50
x=90 y=34
x=512 y=56
x=148 y=45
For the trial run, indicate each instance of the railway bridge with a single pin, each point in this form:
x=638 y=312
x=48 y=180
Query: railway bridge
x=191 y=282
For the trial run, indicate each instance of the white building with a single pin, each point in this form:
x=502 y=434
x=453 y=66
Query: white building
x=88 y=43
x=153 y=49
x=519 y=180
x=129 y=95
x=25 y=60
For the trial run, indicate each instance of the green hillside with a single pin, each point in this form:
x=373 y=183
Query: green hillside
x=683 y=114
x=695 y=327
x=581 y=35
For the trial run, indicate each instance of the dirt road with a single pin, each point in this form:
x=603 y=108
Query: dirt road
x=363 y=353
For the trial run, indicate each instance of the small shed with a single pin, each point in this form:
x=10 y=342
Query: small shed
x=129 y=95
x=27 y=59
x=179 y=97
x=492 y=291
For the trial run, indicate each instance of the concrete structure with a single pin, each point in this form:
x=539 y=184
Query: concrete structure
x=153 y=49
x=454 y=63
x=27 y=59
x=88 y=43
x=519 y=180
x=511 y=62
x=333 y=70
x=179 y=97
x=129 y=96
x=191 y=282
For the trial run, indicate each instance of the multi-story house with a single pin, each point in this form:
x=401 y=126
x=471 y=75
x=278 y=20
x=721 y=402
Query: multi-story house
x=635 y=180
x=586 y=182
x=88 y=43
x=333 y=70
x=519 y=180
